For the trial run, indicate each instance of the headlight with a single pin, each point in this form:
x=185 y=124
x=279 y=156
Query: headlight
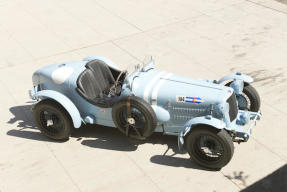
x=36 y=79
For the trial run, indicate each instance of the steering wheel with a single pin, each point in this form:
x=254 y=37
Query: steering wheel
x=113 y=88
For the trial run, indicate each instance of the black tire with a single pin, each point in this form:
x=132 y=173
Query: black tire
x=51 y=110
x=141 y=112
x=253 y=96
x=249 y=100
x=213 y=138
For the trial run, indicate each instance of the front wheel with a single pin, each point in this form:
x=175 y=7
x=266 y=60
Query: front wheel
x=249 y=99
x=209 y=147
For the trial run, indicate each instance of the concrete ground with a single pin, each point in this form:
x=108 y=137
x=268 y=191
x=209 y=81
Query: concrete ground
x=203 y=39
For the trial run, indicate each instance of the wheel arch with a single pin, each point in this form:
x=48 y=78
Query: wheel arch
x=65 y=102
x=195 y=122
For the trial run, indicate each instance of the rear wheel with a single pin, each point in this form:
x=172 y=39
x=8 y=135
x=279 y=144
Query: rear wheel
x=209 y=147
x=52 y=120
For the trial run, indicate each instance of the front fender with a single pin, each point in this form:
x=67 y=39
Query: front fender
x=237 y=75
x=207 y=120
x=65 y=102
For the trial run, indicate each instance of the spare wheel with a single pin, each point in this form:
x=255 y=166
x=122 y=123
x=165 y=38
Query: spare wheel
x=134 y=117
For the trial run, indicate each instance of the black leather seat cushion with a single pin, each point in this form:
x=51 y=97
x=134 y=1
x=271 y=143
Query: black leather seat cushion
x=102 y=74
x=94 y=84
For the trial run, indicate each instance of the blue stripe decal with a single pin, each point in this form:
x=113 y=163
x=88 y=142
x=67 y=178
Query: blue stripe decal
x=193 y=98
x=192 y=101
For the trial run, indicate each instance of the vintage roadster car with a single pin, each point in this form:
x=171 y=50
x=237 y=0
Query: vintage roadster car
x=206 y=116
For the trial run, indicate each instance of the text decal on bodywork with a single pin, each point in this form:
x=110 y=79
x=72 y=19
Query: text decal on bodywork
x=185 y=99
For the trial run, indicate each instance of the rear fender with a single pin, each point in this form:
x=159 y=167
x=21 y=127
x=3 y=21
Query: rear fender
x=207 y=120
x=236 y=76
x=65 y=102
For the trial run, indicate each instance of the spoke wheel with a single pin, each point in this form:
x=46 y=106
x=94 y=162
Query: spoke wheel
x=209 y=147
x=243 y=102
x=134 y=117
x=249 y=99
x=134 y=122
x=52 y=120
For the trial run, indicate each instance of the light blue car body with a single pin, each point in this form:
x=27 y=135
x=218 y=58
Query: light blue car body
x=180 y=103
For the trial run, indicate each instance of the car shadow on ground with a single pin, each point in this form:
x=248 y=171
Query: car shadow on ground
x=101 y=137
x=23 y=120
x=274 y=182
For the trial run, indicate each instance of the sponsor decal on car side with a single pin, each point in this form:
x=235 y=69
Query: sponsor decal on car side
x=185 y=99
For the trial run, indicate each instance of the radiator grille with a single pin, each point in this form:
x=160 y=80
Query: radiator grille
x=233 y=109
x=180 y=114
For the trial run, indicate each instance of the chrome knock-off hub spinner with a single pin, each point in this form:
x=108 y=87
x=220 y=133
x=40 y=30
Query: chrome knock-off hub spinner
x=131 y=121
x=50 y=122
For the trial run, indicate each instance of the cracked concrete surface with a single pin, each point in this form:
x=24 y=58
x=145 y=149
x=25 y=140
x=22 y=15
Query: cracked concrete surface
x=202 y=39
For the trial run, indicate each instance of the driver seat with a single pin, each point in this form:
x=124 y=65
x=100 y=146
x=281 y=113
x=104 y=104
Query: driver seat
x=94 y=84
